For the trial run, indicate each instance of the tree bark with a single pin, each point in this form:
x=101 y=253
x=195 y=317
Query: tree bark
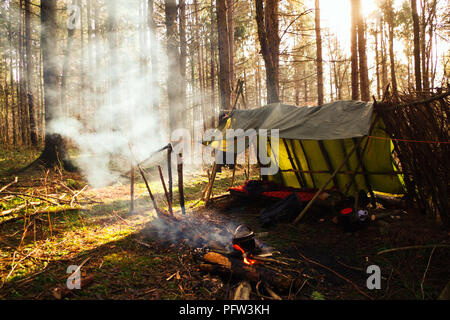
x=267 y=23
x=54 y=149
x=224 y=55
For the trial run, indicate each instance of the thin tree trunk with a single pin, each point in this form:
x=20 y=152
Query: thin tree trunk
x=29 y=69
x=354 y=51
x=390 y=20
x=230 y=21
x=423 y=44
x=416 y=31
x=319 y=54
x=153 y=56
x=183 y=51
x=363 y=72
x=212 y=71
x=11 y=78
x=224 y=55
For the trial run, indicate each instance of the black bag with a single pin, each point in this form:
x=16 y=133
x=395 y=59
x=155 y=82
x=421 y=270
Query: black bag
x=282 y=211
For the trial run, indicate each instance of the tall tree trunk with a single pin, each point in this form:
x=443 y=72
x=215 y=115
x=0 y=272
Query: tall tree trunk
x=92 y=102
x=319 y=54
x=29 y=70
x=384 y=80
x=212 y=70
x=230 y=21
x=81 y=95
x=363 y=72
x=390 y=21
x=183 y=51
x=267 y=23
x=23 y=87
x=153 y=56
x=6 y=97
x=377 y=60
x=54 y=149
x=423 y=43
x=224 y=55
x=416 y=31
x=354 y=51
x=11 y=79
x=173 y=78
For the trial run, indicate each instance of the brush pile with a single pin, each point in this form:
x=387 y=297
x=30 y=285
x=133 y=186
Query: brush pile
x=418 y=124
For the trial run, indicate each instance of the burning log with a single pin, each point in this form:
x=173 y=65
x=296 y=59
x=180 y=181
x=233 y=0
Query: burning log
x=218 y=263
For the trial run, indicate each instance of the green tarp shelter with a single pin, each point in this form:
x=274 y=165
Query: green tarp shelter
x=314 y=141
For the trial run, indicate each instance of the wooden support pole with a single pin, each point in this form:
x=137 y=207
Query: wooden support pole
x=148 y=189
x=132 y=188
x=180 y=181
x=169 y=171
x=247 y=177
x=169 y=202
x=322 y=188
x=211 y=183
x=234 y=169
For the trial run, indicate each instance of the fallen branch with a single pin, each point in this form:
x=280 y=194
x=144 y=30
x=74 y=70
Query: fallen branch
x=39 y=212
x=414 y=247
x=335 y=273
x=9 y=184
x=18 y=208
x=242 y=291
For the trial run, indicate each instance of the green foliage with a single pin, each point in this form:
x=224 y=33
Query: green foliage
x=317 y=296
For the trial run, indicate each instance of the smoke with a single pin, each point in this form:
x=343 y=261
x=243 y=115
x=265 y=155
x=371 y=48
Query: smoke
x=111 y=108
x=198 y=232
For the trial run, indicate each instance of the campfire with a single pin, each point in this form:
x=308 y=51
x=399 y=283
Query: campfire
x=244 y=244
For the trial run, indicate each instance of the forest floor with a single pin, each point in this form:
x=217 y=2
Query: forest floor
x=51 y=219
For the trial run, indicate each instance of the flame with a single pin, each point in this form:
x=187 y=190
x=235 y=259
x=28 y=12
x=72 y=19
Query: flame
x=244 y=254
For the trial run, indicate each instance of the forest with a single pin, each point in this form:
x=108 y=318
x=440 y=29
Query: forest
x=224 y=150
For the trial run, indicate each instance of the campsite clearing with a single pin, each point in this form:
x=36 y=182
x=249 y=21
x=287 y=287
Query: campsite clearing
x=128 y=262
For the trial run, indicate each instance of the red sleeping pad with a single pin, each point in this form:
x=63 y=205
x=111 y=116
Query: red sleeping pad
x=276 y=191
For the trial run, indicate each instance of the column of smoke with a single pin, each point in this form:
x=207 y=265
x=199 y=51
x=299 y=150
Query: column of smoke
x=120 y=82
x=116 y=110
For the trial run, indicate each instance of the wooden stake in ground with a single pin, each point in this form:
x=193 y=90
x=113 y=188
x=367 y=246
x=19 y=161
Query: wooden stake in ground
x=169 y=171
x=180 y=182
x=209 y=187
x=132 y=189
x=148 y=188
x=169 y=202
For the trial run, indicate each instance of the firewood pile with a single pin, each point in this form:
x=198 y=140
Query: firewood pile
x=417 y=122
